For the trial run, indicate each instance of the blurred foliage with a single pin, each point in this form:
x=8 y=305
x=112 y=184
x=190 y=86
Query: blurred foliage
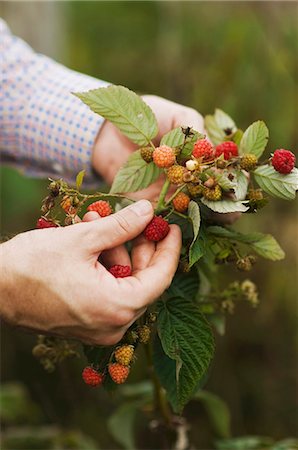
x=241 y=57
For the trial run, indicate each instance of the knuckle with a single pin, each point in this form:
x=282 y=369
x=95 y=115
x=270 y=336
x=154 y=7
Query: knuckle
x=122 y=318
x=122 y=222
x=111 y=339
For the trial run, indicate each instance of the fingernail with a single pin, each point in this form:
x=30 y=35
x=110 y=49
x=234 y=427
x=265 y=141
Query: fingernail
x=142 y=207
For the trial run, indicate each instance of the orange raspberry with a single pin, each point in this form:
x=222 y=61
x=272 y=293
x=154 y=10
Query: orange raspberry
x=164 y=156
x=92 y=377
x=181 y=202
x=118 y=372
x=102 y=207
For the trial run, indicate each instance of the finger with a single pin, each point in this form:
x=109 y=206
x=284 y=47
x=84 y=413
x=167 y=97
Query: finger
x=157 y=277
x=118 y=228
x=90 y=216
x=189 y=117
x=117 y=255
x=142 y=253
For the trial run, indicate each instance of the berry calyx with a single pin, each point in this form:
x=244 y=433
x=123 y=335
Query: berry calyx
x=181 y=202
x=203 y=149
x=92 y=377
x=102 y=207
x=175 y=174
x=144 y=333
x=164 y=156
x=42 y=222
x=120 y=271
x=283 y=161
x=228 y=149
x=157 y=229
x=147 y=154
x=124 y=354
x=214 y=194
x=248 y=162
x=118 y=372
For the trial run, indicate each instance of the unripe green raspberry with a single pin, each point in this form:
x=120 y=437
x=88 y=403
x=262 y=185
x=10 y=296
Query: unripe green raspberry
x=248 y=162
x=195 y=190
x=214 y=194
x=147 y=154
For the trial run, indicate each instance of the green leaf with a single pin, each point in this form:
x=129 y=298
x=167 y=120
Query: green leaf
x=225 y=183
x=195 y=249
x=225 y=206
x=135 y=175
x=189 y=144
x=224 y=121
x=217 y=124
x=173 y=138
x=125 y=109
x=185 y=285
x=218 y=413
x=237 y=136
x=263 y=244
x=121 y=425
x=186 y=337
x=241 y=185
x=254 y=139
x=286 y=444
x=79 y=179
x=244 y=443
x=277 y=184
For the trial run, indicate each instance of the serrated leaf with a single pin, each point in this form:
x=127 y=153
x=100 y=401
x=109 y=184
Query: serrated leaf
x=263 y=244
x=277 y=184
x=224 y=182
x=237 y=136
x=135 y=175
x=218 y=413
x=215 y=133
x=224 y=206
x=195 y=249
x=79 y=179
x=241 y=185
x=224 y=121
x=173 y=138
x=188 y=146
x=186 y=337
x=254 y=139
x=185 y=285
x=125 y=109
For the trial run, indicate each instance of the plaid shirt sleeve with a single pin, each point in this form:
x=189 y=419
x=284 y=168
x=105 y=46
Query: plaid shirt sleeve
x=45 y=131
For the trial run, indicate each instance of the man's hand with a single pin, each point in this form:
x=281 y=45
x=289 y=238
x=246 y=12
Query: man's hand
x=112 y=148
x=52 y=281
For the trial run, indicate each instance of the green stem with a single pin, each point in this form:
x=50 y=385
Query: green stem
x=175 y=193
x=161 y=401
x=161 y=201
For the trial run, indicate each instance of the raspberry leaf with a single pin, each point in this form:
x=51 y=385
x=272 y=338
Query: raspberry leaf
x=218 y=125
x=186 y=338
x=218 y=412
x=121 y=424
x=189 y=143
x=241 y=187
x=196 y=248
x=225 y=206
x=173 y=138
x=125 y=109
x=185 y=285
x=254 y=139
x=277 y=184
x=136 y=174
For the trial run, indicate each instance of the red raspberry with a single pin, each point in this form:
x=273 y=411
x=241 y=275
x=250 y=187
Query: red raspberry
x=118 y=372
x=228 y=149
x=102 y=207
x=203 y=149
x=164 y=156
x=157 y=229
x=181 y=202
x=120 y=271
x=45 y=223
x=283 y=161
x=92 y=377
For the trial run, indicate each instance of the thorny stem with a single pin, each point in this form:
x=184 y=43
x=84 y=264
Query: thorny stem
x=160 y=398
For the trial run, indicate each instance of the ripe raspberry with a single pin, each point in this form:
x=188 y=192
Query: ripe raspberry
x=228 y=149
x=213 y=194
x=102 y=207
x=203 y=149
x=92 y=377
x=181 y=202
x=255 y=194
x=195 y=189
x=42 y=222
x=120 y=271
x=118 y=372
x=164 y=156
x=144 y=333
x=124 y=354
x=157 y=229
x=175 y=174
x=147 y=154
x=283 y=161
x=248 y=162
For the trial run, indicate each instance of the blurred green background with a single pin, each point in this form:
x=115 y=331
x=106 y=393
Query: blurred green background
x=241 y=57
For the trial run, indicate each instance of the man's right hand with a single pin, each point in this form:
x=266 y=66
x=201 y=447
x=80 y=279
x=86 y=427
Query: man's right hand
x=51 y=280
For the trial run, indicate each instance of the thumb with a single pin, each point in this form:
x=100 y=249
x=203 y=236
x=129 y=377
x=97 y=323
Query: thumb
x=120 y=227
